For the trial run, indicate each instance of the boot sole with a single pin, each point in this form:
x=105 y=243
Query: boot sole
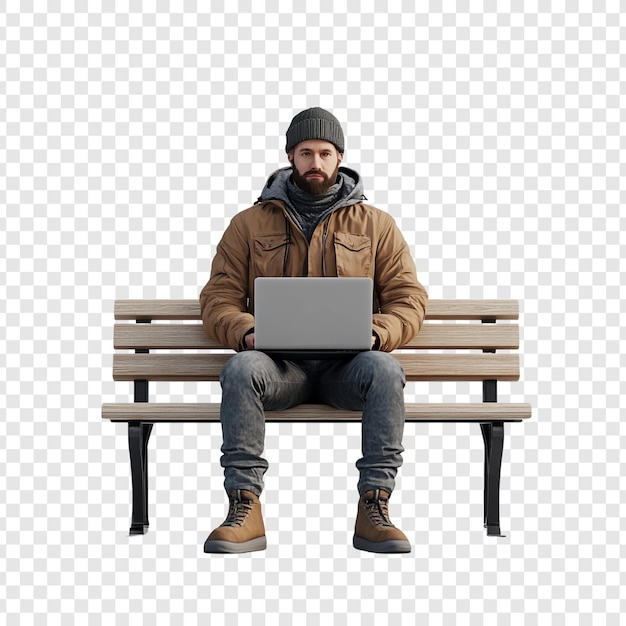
x=394 y=546
x=218 y=546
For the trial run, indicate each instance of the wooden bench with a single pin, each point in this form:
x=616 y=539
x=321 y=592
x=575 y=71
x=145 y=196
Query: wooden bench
x=454 y=350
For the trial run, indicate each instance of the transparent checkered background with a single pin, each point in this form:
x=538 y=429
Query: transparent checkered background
x=129 y=136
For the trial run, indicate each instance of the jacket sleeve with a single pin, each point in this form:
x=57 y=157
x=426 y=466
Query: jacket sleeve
x=401 y=297
x=224 y=299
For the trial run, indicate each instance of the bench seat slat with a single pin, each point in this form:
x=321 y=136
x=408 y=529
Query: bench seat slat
x=432 y=337
x=418 y=367
x=210 y=412
x=436 y=309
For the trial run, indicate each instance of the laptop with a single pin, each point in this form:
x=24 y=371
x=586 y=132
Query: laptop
x=312 y=318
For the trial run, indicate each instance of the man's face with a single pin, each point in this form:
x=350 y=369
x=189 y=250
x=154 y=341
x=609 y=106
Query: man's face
x=315 y=165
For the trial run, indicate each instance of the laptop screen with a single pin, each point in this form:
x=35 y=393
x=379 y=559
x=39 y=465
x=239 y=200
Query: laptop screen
x=311 y=313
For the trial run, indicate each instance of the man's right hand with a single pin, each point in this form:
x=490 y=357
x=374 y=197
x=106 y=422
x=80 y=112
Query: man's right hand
x=249 y=339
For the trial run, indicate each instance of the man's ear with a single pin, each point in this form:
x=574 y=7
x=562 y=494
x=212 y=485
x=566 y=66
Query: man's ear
x=290 y=157
x=340 y=156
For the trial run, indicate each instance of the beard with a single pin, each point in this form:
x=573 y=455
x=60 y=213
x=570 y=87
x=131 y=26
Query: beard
x=314 y=187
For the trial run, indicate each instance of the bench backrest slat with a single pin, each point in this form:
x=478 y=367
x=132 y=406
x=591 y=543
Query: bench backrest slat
x=431 y=337
x=418 y=367
x=436 y=309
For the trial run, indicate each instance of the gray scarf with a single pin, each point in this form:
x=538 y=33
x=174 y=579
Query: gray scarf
x=310 y=209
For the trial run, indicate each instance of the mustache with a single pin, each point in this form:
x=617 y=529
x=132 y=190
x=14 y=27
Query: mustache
x=315 y=172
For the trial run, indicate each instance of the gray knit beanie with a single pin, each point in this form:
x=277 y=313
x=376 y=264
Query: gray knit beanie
x=314 y=123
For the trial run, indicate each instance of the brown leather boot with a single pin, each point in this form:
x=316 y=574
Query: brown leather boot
x=373 y=531
x=242 y=530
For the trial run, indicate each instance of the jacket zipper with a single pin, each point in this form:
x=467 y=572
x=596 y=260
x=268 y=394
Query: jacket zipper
x=324 y=236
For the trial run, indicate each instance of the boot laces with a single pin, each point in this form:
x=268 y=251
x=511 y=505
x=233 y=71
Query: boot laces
x=377 y=510
x=237 y=511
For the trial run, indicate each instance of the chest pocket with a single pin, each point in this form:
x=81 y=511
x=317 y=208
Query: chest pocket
x=269 y=254
x=354 y=254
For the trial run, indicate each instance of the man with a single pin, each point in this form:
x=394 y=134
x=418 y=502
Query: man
x=311 y=220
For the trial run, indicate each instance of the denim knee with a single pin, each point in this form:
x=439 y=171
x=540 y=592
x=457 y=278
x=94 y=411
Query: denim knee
x=380 y=367
x=244 y=367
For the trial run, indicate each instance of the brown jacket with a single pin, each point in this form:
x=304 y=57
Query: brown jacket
x=355 y=240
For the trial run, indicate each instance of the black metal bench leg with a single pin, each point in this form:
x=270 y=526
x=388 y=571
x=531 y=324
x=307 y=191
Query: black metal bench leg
x=486 y=431
x=138 y=436
x=493 y=436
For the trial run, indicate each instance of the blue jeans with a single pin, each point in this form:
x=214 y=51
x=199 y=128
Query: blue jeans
x=252 y=382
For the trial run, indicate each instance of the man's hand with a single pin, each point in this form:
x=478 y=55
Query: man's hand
x=249 y=339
